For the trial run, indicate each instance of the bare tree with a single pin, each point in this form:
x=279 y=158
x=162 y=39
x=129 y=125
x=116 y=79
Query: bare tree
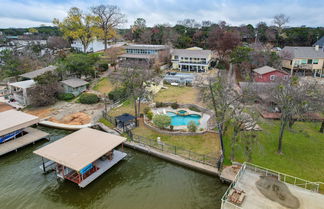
x=146 y=37
x=280 y=20
x=112 y=55
x=294 y=99
x=108 y=17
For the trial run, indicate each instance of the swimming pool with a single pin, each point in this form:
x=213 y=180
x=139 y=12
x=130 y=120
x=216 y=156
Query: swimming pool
x=183 y=120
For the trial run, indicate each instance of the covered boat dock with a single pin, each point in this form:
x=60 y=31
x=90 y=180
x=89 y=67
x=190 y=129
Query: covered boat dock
x=15 y=131
x=82 y=156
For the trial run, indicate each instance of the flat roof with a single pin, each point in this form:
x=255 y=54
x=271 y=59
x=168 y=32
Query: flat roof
x=80 y=148
x=146 y=46
x=191 y=53
x=13 y=120
x=74 y=82
x=138 y=56
x=35 y=73
x=23 y=84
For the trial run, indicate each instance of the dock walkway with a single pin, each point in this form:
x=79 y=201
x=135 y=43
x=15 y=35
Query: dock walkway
x=32 y=136
x=103 y=167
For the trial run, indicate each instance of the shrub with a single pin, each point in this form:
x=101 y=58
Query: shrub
x=171 y=127
x=194 y=108
x=65 y=96
x=174 y=105
x=162 y=121
x=192 y=126
x=149 y=115
x=161 y=104
x=117 y=94
x=88 y=98
x=146 y=110
x=201 y=129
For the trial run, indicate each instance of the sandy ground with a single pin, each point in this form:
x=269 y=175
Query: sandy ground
x=5 y=107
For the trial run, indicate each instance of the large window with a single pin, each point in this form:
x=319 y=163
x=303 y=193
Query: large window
x=309 y=61
x=315 y=61
x=303 y=62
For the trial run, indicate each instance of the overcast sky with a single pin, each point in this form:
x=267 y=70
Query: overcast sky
x=31 y=13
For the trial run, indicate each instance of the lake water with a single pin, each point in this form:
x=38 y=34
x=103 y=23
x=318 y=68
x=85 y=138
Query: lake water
x=139 y=182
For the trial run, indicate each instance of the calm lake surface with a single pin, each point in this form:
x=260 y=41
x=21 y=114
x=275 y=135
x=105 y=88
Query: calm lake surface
x=139 y=182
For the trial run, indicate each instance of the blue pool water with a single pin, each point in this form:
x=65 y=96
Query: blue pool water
x=183 y=120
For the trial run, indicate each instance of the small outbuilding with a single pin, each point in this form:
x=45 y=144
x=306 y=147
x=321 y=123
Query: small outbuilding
x=74 y=86
x=269 y=74
x=125 y=122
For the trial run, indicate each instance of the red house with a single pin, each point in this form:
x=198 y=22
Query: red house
x=268 y=74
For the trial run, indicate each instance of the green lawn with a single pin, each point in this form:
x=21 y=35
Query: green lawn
x=303 y=150
x=126 y=107
x=180 y=94
x=104 y=86
x=207 y=144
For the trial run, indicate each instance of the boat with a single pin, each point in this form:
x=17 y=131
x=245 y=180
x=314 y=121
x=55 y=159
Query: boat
x=9 y=136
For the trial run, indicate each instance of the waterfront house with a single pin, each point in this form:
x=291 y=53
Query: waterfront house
x=74 y=86
x=141 y=53
x=82 y=156
x=15 y=130
x=191 y=59
x=35 y=73
x=19 y=92
x=303 y=60
x=269 y=74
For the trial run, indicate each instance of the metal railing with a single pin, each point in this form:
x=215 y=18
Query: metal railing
x=187 y=154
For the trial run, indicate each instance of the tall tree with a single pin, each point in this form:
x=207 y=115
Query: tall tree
x=293 y=100
x=138 y=28
x=78 y=25
x=280 y=20
x=108 y=18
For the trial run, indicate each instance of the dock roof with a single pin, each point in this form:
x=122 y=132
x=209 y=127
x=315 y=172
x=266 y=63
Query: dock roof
x=13 y=120
x=80 y=148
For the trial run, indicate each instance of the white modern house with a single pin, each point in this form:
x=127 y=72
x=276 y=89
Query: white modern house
x=193 y=59
x=19 y=91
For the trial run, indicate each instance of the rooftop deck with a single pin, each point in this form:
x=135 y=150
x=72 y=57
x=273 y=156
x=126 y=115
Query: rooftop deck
x=254 y=199
x=32 y=136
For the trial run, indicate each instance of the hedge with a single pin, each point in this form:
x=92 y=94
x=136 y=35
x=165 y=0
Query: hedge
x=65 y=96
x=88 y=98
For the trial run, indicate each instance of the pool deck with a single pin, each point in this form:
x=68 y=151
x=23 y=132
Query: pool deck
x=203 y=121
x=33 y=135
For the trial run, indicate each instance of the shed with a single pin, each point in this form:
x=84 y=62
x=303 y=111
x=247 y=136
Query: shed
x=269 y=74
x=74 y=86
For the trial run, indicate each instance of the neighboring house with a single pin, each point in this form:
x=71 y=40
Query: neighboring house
x=141 y=53
x=35 y=73
x=303 y=60
x=74 y=86
x=193 y=59
x=269 y=74
x=19 y=91
x=319 y=43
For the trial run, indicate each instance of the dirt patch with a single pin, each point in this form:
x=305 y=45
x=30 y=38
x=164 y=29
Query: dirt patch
x=78 y=118
x=41 y=112
x=5 y=107
x=277 y=191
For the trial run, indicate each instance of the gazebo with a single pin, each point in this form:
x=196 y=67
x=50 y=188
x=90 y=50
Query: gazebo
x=125 y=122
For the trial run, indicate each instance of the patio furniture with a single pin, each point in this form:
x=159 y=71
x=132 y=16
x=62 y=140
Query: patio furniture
x=236 y=196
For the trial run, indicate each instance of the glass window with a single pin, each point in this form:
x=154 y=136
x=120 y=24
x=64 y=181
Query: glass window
x=315 y=61
x=309 y=61
x=303 y=61
x=272 y=77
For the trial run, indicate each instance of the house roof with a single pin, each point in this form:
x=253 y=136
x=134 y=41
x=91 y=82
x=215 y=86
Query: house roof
x=191 y=53
x=303 y=52
x=138 y=56
x=23 y=84
x=264 y=70
x=146 y=46
x=80 y=148
x=13 y=120
x=319 y=42
x=35 y=73
x=74 y=82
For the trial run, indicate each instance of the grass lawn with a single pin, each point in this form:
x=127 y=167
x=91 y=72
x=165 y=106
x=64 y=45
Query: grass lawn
x=303 y=150
x=203 y=144
x=180 y=94
x=126 y=107
x=104 y=86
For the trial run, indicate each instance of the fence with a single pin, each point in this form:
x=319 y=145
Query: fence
x=187 y=154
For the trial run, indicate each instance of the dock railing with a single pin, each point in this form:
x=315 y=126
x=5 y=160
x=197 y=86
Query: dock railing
x=302 y=183
x=164 y=147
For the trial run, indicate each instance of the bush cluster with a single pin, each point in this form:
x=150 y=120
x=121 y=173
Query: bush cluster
x=162 y=121
x=65 y=96
x=88 y=98
x=117 y=94
x=174 y=105
x=192 y=126
x=194 y=108
x=161 y=104
x=149 y=115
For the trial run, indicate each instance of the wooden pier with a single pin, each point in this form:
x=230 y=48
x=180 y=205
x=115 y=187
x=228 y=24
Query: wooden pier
x=33 y=135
